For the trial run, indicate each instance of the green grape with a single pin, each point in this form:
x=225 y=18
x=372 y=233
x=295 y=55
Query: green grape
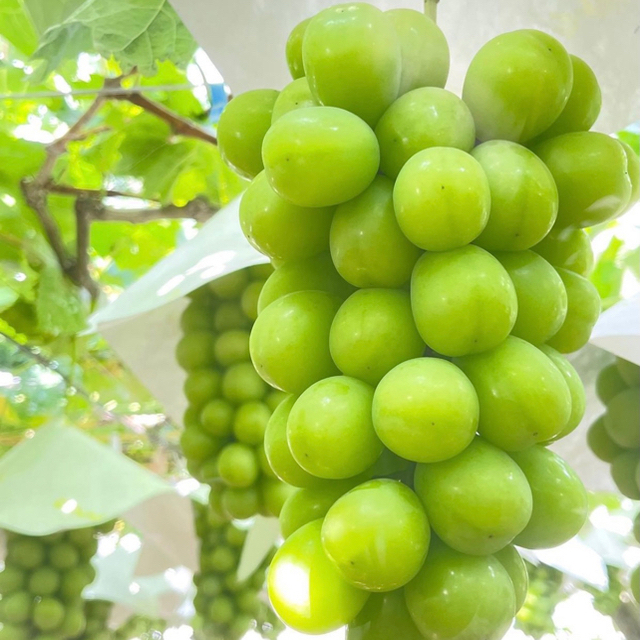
x=14 y=632
x=248 y=601
x=277 y=448
x=241 y=504
x=221 y=610
x=352 y=59
x=16 y=607
x=320 y=156
x=448 y=288
x=74 y=622
x=235 y=536
x=197 y=445
x=576 y=389
x=249 y=299
x=310 y=503
x=512 y=561
x=279 y=229
x=373 y=332
x=542 y=298
x=274 y=398
x=384 y=616
x=624 y=468
x=524 y=197
x=260 y=271
x=26 y=553
x=63 y=556
x=217 y=418
x=560 y=505
x=44 y=581
x=583 y=309
x=305 y=588
x=290 y=340
x=517 y=85
x=450 y=187
x=265 y=467
x=633 y=171
x=250 y=422
x=197 y=316
x=367 y=246
x=609 y=383
x=48 y=614
x=568 y=249
x=461 y=597
x=294 y=49
x=223 y=558
x=583 y=107
x=242 y=127
x=425 y=410
x=600 y=442
x=423 y=47
x=238 y=465
x=11 y=579
x=423 y=118
x=195 y=350
x=629 y=372
x=229 y=286
x=229 y=315
x=377 y=535
x=523 y=396
x=590 y=171
x=191 y=418
x=210 y=586
x=296 y=95
x=316 y=273
x=330 y=431
x=634 y=583
x=74 y=581
x=478 y=501
x=241 y=383
x=201 y=385
x=231 y=346
x=274 y=494
x=82 y=537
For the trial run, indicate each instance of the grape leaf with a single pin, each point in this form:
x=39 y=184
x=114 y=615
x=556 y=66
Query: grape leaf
x=16 y=26
x=58 y=306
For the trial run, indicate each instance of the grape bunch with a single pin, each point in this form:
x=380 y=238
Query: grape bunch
x=614 y=437
x=229 y=403
x=227 y=608
x=431 y=269
x=42 y=582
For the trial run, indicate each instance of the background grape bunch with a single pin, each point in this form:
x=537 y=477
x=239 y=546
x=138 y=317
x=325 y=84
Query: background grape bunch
x=431 y=270
x=42 y=583
x=229 y=403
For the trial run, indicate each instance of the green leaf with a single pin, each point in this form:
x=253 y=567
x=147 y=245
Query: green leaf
x=58 y=306
x=45 y=13
x=16 y=26
x=608 y=273
x=18 y=159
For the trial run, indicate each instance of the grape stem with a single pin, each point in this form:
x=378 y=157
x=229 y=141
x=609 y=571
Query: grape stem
x=431 y=8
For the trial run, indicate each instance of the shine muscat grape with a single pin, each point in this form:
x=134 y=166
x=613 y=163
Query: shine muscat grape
x=425 y=290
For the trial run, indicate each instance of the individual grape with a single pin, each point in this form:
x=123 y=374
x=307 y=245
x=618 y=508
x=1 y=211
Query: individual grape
x=517 y=85
x=277 y=448
x=384 y=616
x=241 y=503
x=329 y=430
x=316 y=273
x=590 y=171
x=425 y=410
x=448 y=288
x=442 y=199
x=274 y=494
x=12 y=579
x=250 y=422
x=274 y=398
x=576 y=389
x=229 y=315
x=238 y=465
x=600 y=441
x=231 y=285
x=221 y=610
x=524 y=197
x=512 y=561
x=629 y=371
x=26 y=553
x=74 y=622
x=63 y=555
x=201 y=385
x=74 y=581
x=542 y=298
x=478 y=501
x=373 y=332
x=48 y=614
x=423 y=118
x=583 y=107
x=624 y=468
x=44 y=581
x=460 y=596
x=197 y=445
x=260 y=271
x=290 y=340
x=524 y=398
x=14 y=632
x=197 y=317
x=231 y=346
x=305 y=588
x=560 y=505
x=367 y=246
x=320 y=156
x=279 y=229
x=377 y=535
x=423 y=47
x=241 y=129
x=241 y=383
x=249 y=299
x=348 y=46
x=217 y=418
x=294 y=49
x=16 y=607
x=296 y=95
x=568 y=249
x=633 y=171
x=583 y=309
x=195 y=350
x=623 y=417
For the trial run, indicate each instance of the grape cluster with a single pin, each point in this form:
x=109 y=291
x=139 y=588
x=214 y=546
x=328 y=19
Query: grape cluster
x=425 y=289
x=42 y=582
x=227 y=608
x=614 y=436
x=229 y=403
